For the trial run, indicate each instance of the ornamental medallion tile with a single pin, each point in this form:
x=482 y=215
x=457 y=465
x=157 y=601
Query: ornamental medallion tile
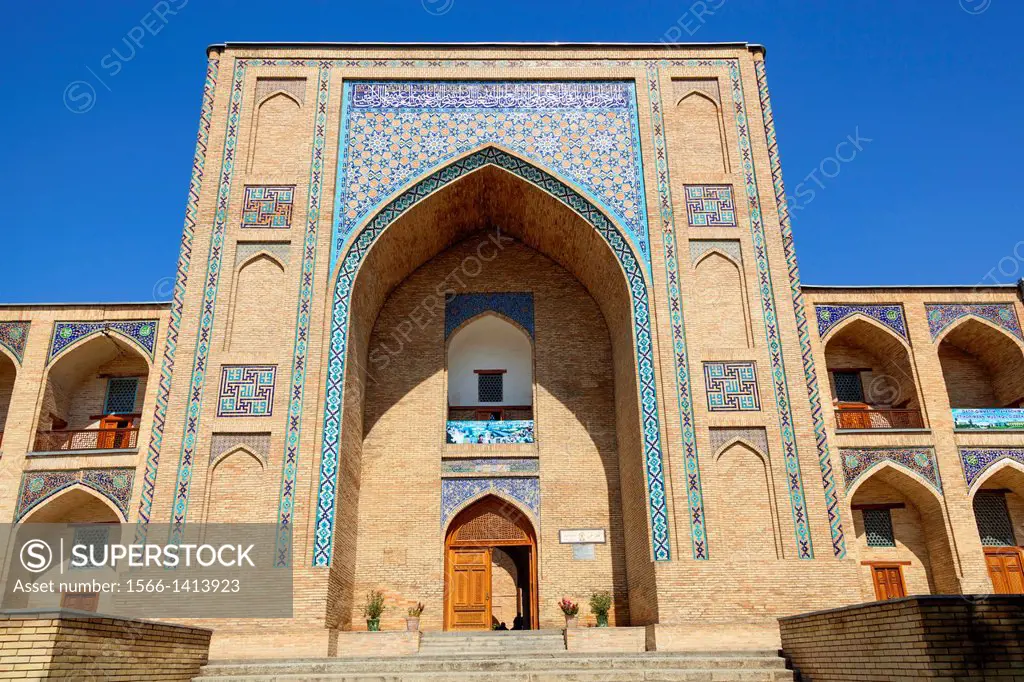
x=891 y=316
x=1002 y=315
x=921 y=461
x=586 y=132
x=976 y=461
x=14 y=337
x=141 y=332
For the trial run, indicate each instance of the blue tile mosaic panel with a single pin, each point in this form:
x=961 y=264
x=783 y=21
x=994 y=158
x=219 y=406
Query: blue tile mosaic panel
x=38 y=486
x=140 y=332
x=732 y=386
x=14 y=337
x=584 y=131
x=942 y=315
x=891 y=316
x=516 y=306
x=976 y=461
x=491 y=466
x=710 y=206
x=456 y=492
x=859 y=461
x=247 y=391
x=267 y=207
x=494 y=431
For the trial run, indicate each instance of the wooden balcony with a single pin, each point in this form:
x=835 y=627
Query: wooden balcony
x=86 y=439
x=878 y=418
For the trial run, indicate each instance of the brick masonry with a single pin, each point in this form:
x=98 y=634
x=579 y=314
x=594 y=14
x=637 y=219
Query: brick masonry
x=626 y=433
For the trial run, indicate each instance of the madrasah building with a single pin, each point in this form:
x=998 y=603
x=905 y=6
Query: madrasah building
x=485 y=326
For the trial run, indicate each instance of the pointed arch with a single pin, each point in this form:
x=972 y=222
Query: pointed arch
x=274 y=93
x=505 y=167
x=722 y=309
x=698 y=93
x=901 y=472
x=982 y=364
x=493 y=313
x=273 y=146
x=699 y=129
x=501 y=497
x=37 y=511
x=739 y=440
x=108 y=332
x=1004 y=470
x=242 y=449
x=258 y=303
x=861 y=317
x=717 y=251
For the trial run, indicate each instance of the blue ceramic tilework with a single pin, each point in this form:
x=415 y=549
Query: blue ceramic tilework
x=456 y=492
x=710 y=206
x=858 y=461
x=140 y=332
x=14 y=337
x=731 y=386
x=942 y=315
x=491 y=466
x=585 y=132
x=516 y=306
x=38 y=486
x=891 y=316
x=247 y=391
x=976 y=461
x=267 y=207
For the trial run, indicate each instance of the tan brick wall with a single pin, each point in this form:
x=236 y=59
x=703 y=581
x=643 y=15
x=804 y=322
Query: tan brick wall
x=977 y=638
x=47 y=645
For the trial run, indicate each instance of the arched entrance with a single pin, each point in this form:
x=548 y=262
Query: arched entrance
x=491 y=539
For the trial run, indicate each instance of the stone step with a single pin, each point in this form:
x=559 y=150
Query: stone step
x=517 y=642
x=552 y=675
x=465 y=668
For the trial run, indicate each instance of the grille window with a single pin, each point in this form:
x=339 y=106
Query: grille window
x=993 y=520
x=490 y=388
x=878 y=528
x=121 y=395
x=93 y=537
x=849 y=388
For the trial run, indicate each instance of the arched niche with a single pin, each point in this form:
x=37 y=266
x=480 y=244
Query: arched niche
x=983 y=366
x=490 y=370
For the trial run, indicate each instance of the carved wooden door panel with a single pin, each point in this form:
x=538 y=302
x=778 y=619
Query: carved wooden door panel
x=470 y=589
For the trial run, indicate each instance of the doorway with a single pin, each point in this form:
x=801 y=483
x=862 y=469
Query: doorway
x=490 y=568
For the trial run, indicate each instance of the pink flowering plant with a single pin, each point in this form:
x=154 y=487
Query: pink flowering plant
x=569 y=607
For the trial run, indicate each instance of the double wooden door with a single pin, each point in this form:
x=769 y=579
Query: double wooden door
x=1005 y=569
x=888 y=580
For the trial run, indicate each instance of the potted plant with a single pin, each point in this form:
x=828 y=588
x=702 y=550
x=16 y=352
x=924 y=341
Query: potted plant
x=570 y=610
x=374 y=607
x=601 y=604
x=412 y=623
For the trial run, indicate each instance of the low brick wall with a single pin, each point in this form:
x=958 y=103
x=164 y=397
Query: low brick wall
x=377 y=644
x=977 y=637
x=606 y=640
x=37 y=645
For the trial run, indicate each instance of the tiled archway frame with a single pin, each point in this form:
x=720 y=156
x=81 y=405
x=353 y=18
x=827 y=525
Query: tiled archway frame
x=361 y=245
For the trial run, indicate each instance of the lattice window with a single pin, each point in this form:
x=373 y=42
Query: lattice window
x=93 y=537
x=993 y=519
x=121 y=395
x=491 y=526
x=490 y=388
x=878 y=528
x=849 y=387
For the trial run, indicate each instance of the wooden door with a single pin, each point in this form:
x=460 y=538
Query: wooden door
x=1005 y=569
x=469 y=589
x=888 y=581
x=109 y=438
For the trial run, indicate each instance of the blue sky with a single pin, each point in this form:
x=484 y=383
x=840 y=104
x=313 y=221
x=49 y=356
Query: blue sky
x=96 y=200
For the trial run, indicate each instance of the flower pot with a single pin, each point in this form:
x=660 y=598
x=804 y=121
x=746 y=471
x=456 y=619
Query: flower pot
x=571 y=622
x=373 y=624
x=412 y=624
x=602 y=620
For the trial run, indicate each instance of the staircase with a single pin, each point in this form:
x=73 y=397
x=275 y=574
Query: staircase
x=529 y=656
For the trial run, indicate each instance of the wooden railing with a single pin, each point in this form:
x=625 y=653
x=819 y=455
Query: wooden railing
x=86 y=439
x=878 y=418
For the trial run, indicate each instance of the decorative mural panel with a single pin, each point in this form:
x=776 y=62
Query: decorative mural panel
x=976 y=461
x=710 y=206
x=995 y=419
x=730 y=247
x=491 y=466
x=495 y=431
x=456 y=492
x=247 y=391
x=731 y=386
x=942 y=315
x=921 y=461
x=267 y=207
x=585 y=132
x=633 y=269
x=141 y=332
x=516 y=306
x=891 y=316
x=756 y=436
x=38 y=486
x=14 y=337
x=828 y=480
x=163 y=391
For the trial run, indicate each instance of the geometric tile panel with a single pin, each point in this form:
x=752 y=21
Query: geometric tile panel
x=247 y=391
x=267 y=207
x=1003 y=315
x=976 y=461
x=755 y=436
x=584 y=131
x=921 y=461
x=37 y=486
x=732 y=386
x=730 y=247
x=245 y=250
x=710 y=206
x=14 y=336
x=828 y=479
x=890 y=316
x=455 y=492
x=516 y=306
x=257 y=443
x=140 y=332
